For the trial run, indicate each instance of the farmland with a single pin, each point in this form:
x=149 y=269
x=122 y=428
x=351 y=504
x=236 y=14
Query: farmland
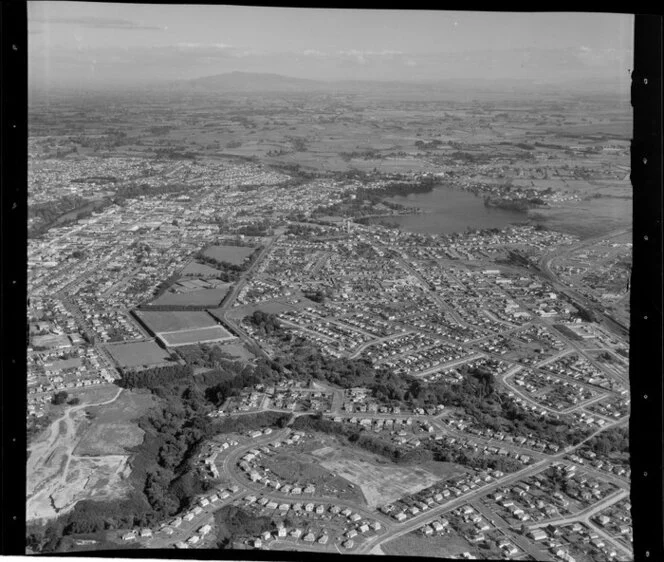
x=235 y=255
x=159 y=322
x=138 y=353
x=196 y=335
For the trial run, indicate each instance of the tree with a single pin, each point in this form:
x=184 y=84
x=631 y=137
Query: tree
x=74 y=401
x=59 y=398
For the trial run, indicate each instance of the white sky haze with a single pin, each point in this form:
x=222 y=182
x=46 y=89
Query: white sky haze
x=98 y=45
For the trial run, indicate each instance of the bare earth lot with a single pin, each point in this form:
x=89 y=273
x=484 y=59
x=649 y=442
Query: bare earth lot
x=138 y=353
x=70 y=461
x=231 y=254
x=160 y=321
x=380 y=483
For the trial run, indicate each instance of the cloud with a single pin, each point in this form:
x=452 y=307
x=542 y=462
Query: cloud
x=203 y=46
x=101 y=23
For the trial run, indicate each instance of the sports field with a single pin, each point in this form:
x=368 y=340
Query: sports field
x=204 y=297
x=197 y=335
x=172 y=321
x=231 y=254
x=137 y=353
x=200 y=269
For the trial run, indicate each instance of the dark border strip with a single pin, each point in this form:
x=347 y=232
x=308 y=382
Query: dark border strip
x=645 y=434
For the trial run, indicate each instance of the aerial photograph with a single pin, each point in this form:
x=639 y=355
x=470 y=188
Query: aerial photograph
x=328 y=281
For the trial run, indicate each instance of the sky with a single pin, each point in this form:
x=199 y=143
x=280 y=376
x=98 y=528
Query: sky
x=86 y=44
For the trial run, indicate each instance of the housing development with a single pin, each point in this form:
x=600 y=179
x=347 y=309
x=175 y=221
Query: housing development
x=310 y=338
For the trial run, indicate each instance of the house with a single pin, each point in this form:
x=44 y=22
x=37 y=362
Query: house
x=129 y=536
x=352 y=533
x=205 y=529
x=146 y=533
x=309 y=537
x=537 y=534
x=323 y=539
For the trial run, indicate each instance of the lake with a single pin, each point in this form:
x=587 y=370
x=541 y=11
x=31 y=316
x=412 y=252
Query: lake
x=448 y=210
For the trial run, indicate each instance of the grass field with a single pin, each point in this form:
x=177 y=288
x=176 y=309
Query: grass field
x=449 y=545
x=138 y=353
x=204 y=297
x=380 y=483
x=200 y=269
x=113 y=428
x=197 y=335
x=231 y=254
x=237 y=350
x=159 y=321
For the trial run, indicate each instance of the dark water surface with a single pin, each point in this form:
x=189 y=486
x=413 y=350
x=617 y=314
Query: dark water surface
x=448 y=210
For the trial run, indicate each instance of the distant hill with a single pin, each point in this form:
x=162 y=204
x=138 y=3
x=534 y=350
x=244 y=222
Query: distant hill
x=253 y=82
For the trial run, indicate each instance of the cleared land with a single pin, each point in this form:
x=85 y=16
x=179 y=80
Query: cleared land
x=204 y=297
x=197 y=335
x=113 y=429
x=380 y=483
x=449 y=545
x=231 y=254
x=138 y=353
x=237 y=350
x=172 y=321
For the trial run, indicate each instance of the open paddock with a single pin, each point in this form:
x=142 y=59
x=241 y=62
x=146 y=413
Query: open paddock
x=138 y=353
x=196 y=335
x=193 y=268
x=236 y=255
x=204 y=297
x=173 y=321
x=109 y=439
x=449 y=545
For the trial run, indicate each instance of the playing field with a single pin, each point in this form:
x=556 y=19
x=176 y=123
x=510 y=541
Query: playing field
x=137 y=353
x=381 y=484
x=231 y=254
x=198 y=335
x=200 y=269
x=172 y=321
x=204 y=297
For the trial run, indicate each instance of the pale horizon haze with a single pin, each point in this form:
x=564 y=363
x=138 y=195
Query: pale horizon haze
x=99 y=45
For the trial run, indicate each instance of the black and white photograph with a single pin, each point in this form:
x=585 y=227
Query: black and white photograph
x=328 y=281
